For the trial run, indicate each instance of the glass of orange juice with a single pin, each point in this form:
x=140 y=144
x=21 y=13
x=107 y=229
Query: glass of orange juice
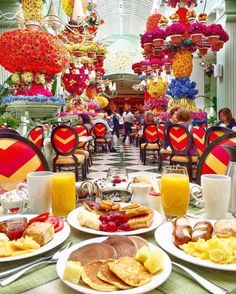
x=174 y=188
x=63 y=193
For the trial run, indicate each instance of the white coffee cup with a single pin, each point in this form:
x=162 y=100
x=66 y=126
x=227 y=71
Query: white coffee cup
x=216 y=195
x=40 y=191
x=140 y=192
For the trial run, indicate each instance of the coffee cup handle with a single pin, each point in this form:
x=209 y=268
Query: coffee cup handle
x=199 y=192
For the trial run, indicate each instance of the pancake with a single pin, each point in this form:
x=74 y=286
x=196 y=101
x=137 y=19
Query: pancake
x=139 y=241
x=92 y=252
x=89 y=277
x=108 y=276
x=130 y=271
x=123 y=245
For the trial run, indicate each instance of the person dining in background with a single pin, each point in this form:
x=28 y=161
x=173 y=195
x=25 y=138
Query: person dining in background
x=128 y=121
x=226 y=119
x=149 y=118
x=170 y=121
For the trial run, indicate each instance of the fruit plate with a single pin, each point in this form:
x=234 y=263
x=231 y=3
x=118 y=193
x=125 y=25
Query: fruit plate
x=72 y=219
x=156 y=281
x=163 y=236
x=59 y=238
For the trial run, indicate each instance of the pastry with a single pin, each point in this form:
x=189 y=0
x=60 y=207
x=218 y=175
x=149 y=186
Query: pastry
x=225 y=228
x=40 y=232
x=141 y=221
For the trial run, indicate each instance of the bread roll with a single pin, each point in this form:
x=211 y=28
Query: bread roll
x=42 y=233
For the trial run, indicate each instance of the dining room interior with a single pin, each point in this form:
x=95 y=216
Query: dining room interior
x=117 y=146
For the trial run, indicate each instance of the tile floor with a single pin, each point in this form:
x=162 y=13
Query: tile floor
x=127 y=156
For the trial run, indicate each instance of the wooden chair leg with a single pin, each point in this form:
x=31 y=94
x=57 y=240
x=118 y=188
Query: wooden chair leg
x=144 y=156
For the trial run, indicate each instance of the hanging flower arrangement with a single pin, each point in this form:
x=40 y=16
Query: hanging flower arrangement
x=75 y=83
x=103 y=102
x=161 y=102
x=182 y=88
x=153 y=21
x=174 y=3
x=23 y=50
x=196 y=31
x=182 y=64
x=157 y=87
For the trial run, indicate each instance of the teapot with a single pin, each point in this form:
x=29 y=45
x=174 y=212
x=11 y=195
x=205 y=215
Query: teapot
x=231 y=171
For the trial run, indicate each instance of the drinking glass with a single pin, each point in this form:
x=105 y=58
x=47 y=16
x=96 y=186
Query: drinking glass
x=174 y=191
x=63 y=193
x=117 y=175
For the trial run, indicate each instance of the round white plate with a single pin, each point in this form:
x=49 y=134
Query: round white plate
x=72 y=219
x=163 y=236
x=59 y=238
x=156 y=281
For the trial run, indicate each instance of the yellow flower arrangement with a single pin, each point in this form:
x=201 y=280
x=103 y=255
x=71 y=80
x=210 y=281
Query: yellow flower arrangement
x=68 y=6
x=103 y=102
x=32 y=10
x=182 y=64
x=102 y=50
x=182 y=103
x=157 y=88
x=27 y=77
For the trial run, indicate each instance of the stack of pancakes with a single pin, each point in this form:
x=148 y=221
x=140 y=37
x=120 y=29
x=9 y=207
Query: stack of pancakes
x=111 y=265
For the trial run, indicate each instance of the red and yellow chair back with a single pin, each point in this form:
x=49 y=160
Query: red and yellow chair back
x=150 y=133
x=81 y=131
x=36 y=136
x=179 y=138
x=199 y=134
x=215 y=159
x=18 y=157
x=64 y=140
x=99 y=130
x=214 y=133
x=161 y=133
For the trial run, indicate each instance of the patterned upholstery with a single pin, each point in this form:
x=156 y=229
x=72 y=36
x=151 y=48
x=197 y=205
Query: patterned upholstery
x=19 y=156
x=161 y=132
x=36 y=136
x=81 y=131
x=152 y=141
x=150 y=133
x=99 y=130
x=199 y=139
x=64 y=141
x=215 y=159
x=214 y=133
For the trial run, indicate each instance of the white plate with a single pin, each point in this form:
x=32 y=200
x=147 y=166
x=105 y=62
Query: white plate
x=59 y=238
x=156 y=281
x=163 y=236
x=72 y=219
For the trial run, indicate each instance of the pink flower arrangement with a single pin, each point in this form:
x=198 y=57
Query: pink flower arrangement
x=214 y=30
x=156 y=61
x=75 y=83
x=199 y=115
x=175 y=29
x=144 y=63
x=164 y=116
x=197 y=28
x=149 y=104
x=146 y=38
x=92 y=104
x=224 y=36
x=158 y=34
x=37 y=89
x=135 y=65
x=173 y=3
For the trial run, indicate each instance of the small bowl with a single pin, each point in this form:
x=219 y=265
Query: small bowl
x=116 y=195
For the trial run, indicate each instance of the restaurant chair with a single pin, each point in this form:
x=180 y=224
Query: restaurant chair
x=152 y=142
x=18 y=157
x=214 y=133
x=36 y=135
x=8 y=130
x=215 y=158
x=84 y=147
x=199 y=134
x=180 y=141
x=64 y=141
x=99 y=132
x=164 y=153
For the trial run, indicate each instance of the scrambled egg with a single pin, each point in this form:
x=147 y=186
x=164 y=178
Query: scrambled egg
x=218 y=250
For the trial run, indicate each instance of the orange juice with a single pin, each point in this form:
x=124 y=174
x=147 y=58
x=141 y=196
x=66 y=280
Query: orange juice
x=175 y=194
x=63 y=193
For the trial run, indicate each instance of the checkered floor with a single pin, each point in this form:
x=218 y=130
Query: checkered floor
x=127 y=156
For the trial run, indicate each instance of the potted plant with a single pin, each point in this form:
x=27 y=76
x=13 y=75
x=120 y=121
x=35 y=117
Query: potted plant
x=146 y=42
x=224 y=37
x=175 y=32
x=191 y=16
x=137 y=68
x=158 y=37
x=144 y=64
x=202 y=51
x=213 y=32
x=196 y=31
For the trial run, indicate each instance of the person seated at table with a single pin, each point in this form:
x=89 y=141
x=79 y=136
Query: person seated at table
x=149 y=118
x=183 y=117
x=85 y=120
x=170 y=121
x=100 y=119
x=226 y=119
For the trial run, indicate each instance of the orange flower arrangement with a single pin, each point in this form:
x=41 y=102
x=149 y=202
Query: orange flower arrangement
x=182 y=64
x=153 y=21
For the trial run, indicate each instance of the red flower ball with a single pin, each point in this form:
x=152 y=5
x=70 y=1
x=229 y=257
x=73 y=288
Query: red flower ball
x=34 y=51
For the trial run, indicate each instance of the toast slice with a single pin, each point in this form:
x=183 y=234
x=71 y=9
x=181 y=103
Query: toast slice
x=140 y=222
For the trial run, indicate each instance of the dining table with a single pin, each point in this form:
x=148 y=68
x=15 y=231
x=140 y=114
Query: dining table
x=45 y=279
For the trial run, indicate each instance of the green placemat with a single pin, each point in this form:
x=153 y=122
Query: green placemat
x=177 y=283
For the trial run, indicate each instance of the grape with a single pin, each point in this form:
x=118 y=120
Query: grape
x=111 y=227
x=124 y=227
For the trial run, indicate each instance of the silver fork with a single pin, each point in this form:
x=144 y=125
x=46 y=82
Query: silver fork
x=26 y=268
x=210 y=286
